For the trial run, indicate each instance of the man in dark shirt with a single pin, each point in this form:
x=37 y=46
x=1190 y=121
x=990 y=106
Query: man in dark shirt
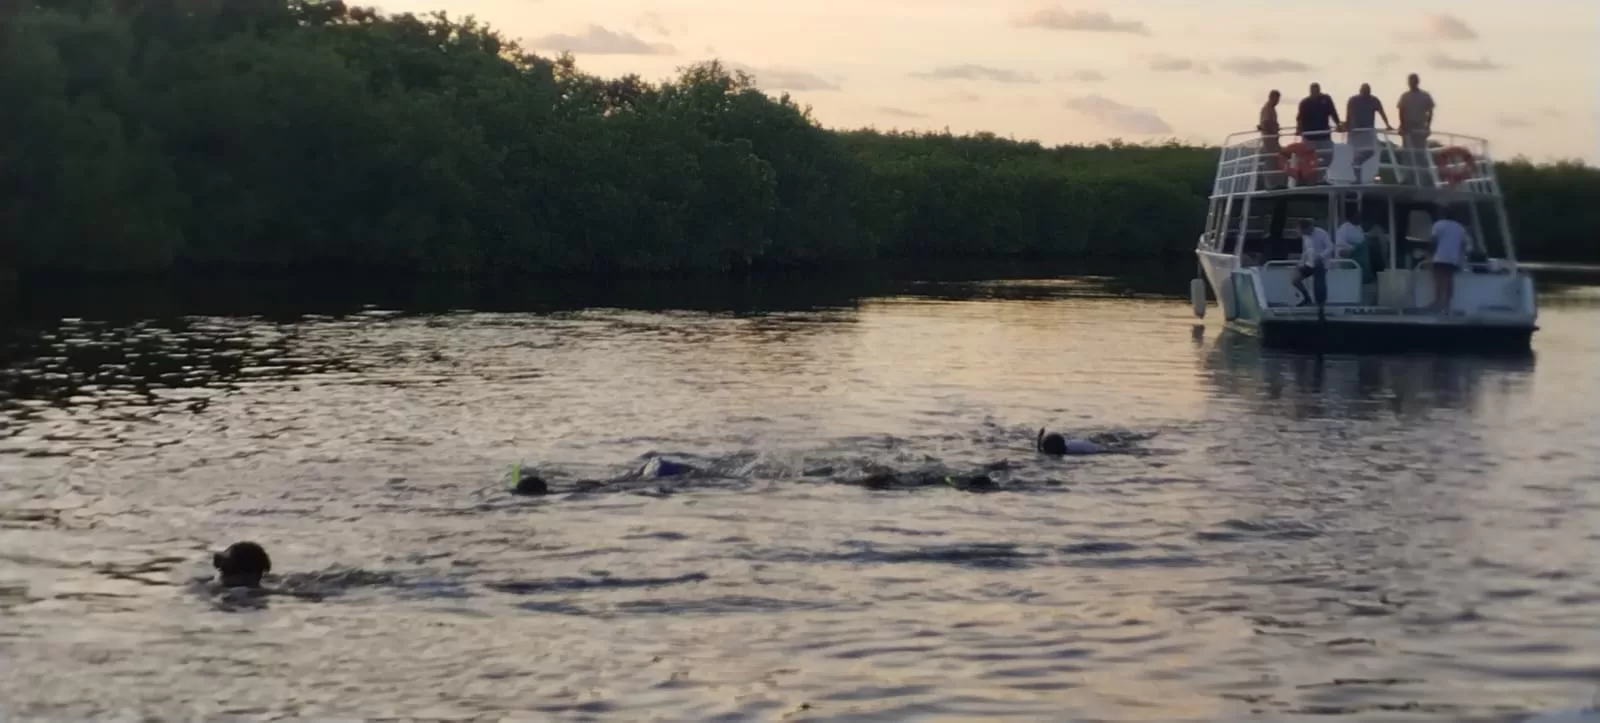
x=1361 y=115
x=1315 y=110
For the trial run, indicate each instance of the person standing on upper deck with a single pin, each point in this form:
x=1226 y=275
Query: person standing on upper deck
x=1416 y=122
x=1360 y=116
x=1315 y=110
x=1268 y=125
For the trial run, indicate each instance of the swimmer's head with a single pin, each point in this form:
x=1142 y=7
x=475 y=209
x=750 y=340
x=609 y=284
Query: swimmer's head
x=242 y=565
x=527 y=481
x=1051 y=443
x=530 y=484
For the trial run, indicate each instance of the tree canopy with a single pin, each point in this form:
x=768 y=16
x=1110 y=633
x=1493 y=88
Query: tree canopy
x=150 y=135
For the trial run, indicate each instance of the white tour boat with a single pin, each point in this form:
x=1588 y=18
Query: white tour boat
x=1383 y=296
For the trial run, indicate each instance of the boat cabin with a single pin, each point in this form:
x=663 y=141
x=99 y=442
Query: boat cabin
x=1262 y=189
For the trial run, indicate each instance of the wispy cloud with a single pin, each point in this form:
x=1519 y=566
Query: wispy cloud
x=1441 y=61
x=1450 y=27
x=600 y=41
x=785 y=78
x=1262 y=34
x=1083 y=21
x=1385 y=60
x=1440 y=27
x=958 y=97
x=1514 y=121
x=977 y=72
x=1170 y=64
x=1081 y=76
x=1123 y=117
x=652 y=22
x=900 y=112
x=1253 y=66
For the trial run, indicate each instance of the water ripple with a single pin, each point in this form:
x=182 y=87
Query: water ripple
x=1369 y=537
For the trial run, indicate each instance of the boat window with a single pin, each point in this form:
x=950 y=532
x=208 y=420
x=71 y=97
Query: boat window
x=1256 y=229
x=1483 y=230
x=1419 y=225
x=1489 y=239
x=1413 y=240
x=1229 y=231
x=1212 y=215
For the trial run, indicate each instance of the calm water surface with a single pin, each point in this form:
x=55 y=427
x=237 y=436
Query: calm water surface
x=1378 y=538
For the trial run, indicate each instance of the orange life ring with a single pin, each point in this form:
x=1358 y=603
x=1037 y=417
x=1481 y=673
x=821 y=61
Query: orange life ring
x=1455 y=164
x=1304 y=157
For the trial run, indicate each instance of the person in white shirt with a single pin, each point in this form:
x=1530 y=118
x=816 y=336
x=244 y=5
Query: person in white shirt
x=1449 y=254
x=1350 y=242
x=1315 y=251
x=1348 y=237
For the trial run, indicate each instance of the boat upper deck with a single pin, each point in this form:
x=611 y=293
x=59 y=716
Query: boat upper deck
x=1451 y=167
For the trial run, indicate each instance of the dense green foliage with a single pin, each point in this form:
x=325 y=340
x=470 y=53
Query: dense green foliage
x=144 y=135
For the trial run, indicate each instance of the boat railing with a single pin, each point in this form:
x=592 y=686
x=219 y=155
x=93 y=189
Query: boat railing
x=1294 y=263
x=1253 y=162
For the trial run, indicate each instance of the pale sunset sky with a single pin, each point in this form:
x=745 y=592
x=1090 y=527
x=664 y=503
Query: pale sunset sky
x=1523 y=73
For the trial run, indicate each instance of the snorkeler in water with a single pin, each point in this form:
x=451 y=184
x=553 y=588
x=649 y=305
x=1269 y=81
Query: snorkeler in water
x=1056 y=445
x=529 y=483
x=242 y=565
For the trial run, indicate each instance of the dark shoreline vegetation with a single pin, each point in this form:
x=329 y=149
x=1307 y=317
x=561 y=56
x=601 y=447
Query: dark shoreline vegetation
x=289 y=297
x=207 y=136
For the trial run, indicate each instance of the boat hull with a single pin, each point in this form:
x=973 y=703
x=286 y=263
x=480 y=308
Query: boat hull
x=1218 y=270
x=1377 y=336
x=1251 y=304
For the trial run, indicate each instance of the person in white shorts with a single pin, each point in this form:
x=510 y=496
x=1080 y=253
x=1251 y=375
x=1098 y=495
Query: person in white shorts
x=1449 y=254
x=1361 y=116
x=1416 y=123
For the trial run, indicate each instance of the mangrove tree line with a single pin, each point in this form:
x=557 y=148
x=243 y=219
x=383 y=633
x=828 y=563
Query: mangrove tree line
x=147 y=135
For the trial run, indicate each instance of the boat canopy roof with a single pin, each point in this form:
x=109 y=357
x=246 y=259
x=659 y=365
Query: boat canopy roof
x=1451 y=168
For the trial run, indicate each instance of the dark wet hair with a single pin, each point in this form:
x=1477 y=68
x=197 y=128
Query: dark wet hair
x=529 y=483
x=1051 y=443
x=242 y=564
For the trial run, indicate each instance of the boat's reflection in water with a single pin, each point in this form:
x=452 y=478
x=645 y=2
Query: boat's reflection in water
x=1300 y=385
x=1426 y=503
